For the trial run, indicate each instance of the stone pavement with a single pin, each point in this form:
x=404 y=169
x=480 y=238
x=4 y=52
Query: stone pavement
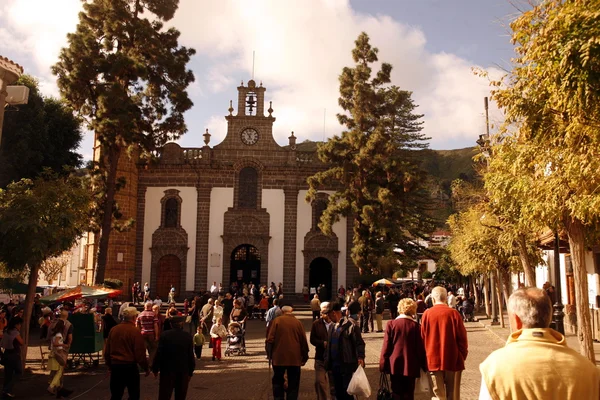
x=248 y=377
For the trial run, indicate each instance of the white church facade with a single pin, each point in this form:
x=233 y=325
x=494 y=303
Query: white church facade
x=234 y=212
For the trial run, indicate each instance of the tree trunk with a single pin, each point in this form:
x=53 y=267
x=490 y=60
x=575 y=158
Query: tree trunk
x=499 y=296
x=28 y=312
x=528 y=268
x=475 y=293
x=113 y=155
x=486 y=295
x=506 y=287
x=576 y=232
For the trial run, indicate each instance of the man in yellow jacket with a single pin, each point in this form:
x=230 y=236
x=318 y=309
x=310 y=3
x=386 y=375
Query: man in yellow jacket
x=536 y=362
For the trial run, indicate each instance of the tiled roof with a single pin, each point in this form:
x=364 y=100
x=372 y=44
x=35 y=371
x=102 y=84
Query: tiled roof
x=11 y=65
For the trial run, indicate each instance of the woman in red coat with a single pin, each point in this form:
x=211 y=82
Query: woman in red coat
x=403 y=352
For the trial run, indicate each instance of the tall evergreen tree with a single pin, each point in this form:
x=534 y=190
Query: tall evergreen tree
x=41 y=134
x=126 y=75
x=374 y=164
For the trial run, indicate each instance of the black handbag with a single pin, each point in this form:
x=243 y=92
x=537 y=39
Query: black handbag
x=384 y=392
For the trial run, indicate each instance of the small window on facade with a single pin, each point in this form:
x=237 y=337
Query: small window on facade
x=248 y=188
x=171 y=213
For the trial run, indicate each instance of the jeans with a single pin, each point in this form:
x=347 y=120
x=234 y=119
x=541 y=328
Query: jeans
x=198 y=351
x=124 y=376
x=170 y=382
x=151 y=346
x=342 y=374
x=293 y=376
x=12 y=368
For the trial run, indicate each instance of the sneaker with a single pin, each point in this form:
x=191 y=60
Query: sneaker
x=8 y=395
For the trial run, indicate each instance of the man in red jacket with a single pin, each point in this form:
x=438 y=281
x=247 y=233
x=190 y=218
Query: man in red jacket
x=445 y=339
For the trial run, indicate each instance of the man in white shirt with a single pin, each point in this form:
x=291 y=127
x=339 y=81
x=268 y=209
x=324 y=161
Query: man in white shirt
x=157 y=301
x=451 y=300
x=214 y=289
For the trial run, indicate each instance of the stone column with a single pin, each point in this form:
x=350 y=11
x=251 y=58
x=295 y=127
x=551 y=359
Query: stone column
x=202 y=228
x=139 y=224
x=9 y=73
x=289 y=240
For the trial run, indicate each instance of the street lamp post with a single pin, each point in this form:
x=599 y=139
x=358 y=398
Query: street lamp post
x=494 y=303
x=558 y=315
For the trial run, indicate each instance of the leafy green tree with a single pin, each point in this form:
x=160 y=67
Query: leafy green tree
x=125 y=74
x=517 y=237
x=374 y=164
x=43 y=133
x=551 y=102
x=40 y=219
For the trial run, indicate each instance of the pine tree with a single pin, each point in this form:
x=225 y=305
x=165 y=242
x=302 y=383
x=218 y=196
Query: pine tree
x=126 y=76
x=374 y=164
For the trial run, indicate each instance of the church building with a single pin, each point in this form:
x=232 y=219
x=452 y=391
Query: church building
x=232 y=212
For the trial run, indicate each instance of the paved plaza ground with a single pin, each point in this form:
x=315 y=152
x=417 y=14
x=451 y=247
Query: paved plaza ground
x=248 y=377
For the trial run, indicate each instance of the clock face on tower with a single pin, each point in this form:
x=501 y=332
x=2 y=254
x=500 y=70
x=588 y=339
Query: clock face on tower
x=249 y=136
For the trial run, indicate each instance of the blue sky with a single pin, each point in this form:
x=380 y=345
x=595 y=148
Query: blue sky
x=301 y=47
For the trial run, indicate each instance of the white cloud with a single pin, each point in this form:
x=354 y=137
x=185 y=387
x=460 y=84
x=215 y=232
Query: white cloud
x=37 y=29
x=301 y=48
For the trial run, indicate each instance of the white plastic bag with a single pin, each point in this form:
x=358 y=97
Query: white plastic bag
x=359 y=384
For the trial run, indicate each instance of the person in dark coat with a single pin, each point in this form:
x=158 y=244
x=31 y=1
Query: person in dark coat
x=175 y=361
x=108 y=322
x=393 y=299
x=287 y=348
x=345 y=349
x=319 y=335
x=403 y=352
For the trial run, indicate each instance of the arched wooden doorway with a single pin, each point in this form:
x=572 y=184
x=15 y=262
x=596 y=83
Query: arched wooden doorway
x=319 y=272
x=167 y=274
x=245 y=265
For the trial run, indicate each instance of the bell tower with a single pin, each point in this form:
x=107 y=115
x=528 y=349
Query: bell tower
x=250 y=128
x=251 y=100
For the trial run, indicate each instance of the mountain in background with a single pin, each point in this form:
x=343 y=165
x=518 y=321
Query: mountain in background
x=443 y=167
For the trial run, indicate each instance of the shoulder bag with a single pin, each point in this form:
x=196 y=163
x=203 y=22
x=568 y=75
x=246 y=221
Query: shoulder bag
x=384 y=392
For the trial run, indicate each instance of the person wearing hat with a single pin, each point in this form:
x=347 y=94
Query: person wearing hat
x=124 y=351
x=288 y=350
x=174 y=360
x=319 y=335
x=345 y=348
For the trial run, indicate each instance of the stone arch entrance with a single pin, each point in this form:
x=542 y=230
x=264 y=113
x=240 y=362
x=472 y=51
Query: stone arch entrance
x=168 y=273
x=245 y=265
x=320 y=272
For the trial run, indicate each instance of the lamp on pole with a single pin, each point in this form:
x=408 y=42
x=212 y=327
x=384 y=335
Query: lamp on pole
x=484 y=144
x=558 y=315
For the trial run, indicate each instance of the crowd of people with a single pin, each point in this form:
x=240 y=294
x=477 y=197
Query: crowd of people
x=425 y=340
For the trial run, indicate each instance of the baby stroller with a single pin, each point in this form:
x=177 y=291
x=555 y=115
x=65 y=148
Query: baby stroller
x=235 y=340
x=468 y=311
